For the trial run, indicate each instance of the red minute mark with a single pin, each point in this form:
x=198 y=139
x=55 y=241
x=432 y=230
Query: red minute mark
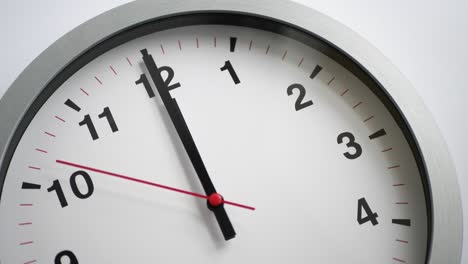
x=214 y=199
x=300 y=62
x=26 y=243
x=49 y=134
x=129 y=62
x=98 y=80
x=59 y=118
x=87 y=94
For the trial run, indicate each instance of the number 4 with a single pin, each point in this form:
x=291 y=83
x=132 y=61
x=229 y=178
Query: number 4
x=371 y=216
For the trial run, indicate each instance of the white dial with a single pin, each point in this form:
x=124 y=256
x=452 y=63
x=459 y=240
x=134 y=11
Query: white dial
x=321 y=168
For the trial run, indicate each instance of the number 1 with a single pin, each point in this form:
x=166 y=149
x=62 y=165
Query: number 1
x=232 y=72
x=107 y=114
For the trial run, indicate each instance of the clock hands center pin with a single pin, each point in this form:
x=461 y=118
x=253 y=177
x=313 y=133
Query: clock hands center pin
x=215 y=201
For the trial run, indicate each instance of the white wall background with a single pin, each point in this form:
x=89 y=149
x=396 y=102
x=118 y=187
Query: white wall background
x=426 y=39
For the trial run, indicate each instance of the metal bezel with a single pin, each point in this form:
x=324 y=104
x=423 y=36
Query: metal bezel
x=446 y=205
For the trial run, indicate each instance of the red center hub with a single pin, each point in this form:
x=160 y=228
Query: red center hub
x=215 y=199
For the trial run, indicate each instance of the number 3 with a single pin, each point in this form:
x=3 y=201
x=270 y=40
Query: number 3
x=351 y=144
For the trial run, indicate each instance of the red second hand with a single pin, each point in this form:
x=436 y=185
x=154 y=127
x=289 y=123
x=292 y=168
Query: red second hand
x=147 y=183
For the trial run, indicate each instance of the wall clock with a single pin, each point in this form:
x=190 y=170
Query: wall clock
x=221 y=132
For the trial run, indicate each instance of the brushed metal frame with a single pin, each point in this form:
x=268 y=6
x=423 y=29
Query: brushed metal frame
x=447 y=213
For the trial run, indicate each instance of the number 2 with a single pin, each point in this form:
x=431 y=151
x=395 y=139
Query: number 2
x=302 y=91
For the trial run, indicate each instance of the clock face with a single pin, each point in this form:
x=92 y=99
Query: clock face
x=311 y=161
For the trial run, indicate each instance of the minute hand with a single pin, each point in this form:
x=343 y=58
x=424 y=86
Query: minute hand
x=189 y=144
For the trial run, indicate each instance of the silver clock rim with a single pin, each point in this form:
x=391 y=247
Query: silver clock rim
x=446 y=204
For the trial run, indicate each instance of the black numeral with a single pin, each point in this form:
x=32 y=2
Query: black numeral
x=58 y=189
x=107 y=114
x=92 y=129
x=88 y=181
x=302 y=92
x=144 y=80
x=78 y=193
x=370 y=216
x=68 y=255
x=170 y=75
x=232 y=72
x=351 y=144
